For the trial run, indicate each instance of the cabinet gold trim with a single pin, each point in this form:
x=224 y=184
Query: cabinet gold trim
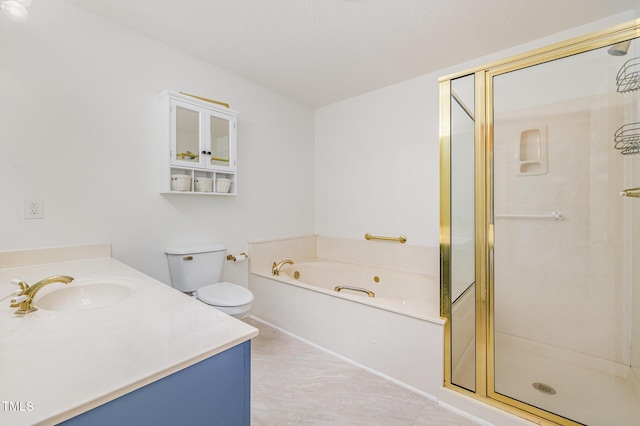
x=224 y=104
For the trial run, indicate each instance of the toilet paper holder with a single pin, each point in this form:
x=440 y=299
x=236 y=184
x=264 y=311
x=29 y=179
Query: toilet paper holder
x=239 y=258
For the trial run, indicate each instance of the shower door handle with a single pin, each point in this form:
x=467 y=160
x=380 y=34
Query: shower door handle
x=631 y=192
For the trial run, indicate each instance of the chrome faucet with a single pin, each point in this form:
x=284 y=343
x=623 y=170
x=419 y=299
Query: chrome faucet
x=275 y=269
x=24 y=300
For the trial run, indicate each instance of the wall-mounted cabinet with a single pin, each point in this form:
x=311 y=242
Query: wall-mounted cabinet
x=197 y=147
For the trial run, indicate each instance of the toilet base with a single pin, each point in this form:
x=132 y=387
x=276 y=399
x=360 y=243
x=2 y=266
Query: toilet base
x=238 y=312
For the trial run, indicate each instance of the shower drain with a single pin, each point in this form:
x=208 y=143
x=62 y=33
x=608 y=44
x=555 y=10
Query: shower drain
x=544 y=388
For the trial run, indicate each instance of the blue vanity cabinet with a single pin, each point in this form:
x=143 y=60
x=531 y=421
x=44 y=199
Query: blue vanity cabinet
x=216 y=391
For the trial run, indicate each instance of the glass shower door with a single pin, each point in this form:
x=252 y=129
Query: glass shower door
x=566 y=278
x=463 y=289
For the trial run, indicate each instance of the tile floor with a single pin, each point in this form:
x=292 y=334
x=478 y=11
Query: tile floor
x=296 y=384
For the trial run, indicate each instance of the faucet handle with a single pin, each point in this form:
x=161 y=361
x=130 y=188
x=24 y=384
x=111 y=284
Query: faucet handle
x=15 y=302
x=23 y=286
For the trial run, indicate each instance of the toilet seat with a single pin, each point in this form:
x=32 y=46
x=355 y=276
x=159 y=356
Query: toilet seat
x=224 y=294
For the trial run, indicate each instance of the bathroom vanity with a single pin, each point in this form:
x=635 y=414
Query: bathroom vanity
x=145 y=355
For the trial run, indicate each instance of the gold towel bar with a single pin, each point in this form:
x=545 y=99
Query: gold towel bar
x=402 y=239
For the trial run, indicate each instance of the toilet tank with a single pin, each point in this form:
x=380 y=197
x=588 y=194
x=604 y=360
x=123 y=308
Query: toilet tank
x=195 y=266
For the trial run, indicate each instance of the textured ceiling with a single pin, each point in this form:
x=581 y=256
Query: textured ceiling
x=323 y=51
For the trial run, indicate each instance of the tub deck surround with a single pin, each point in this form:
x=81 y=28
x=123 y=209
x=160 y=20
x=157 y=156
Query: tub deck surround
x=57 y=364
x=382 y=254
x=414 y=295
x=409 y=284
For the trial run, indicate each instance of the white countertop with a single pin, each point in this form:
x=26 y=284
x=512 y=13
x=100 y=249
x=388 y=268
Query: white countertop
x=58 y=364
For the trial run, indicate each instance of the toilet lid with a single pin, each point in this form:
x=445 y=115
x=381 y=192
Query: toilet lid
x=224 y=294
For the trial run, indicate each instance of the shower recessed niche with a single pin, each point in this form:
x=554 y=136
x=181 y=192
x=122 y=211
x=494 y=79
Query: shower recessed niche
x=531 y=152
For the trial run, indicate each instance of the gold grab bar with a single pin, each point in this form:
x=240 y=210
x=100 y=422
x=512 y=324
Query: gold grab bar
x=402 y=239
x=631 y=192
x=346 y=287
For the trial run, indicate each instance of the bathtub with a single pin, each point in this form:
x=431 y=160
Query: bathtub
x=415 y=295
x=391 y=326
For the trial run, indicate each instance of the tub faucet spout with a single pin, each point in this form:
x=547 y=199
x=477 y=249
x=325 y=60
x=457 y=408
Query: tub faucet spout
x=275 y=269
x=24 y=300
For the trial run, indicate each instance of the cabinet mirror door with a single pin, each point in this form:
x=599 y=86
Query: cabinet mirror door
x=185 y=134
x=220 y=141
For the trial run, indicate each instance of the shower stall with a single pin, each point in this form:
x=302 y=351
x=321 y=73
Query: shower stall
x=540 y=231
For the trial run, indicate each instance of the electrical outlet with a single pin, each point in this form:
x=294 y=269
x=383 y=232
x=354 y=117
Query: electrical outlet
x=33 y=208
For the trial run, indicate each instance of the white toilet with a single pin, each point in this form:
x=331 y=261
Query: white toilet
x=197 y=269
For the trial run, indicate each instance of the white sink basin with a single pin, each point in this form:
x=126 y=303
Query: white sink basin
x=83 y=297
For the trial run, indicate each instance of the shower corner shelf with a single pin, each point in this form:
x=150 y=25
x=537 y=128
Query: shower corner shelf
x=627 y=139
x=628 y=78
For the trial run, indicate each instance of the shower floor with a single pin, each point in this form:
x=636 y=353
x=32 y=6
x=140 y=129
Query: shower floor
x=593 y=393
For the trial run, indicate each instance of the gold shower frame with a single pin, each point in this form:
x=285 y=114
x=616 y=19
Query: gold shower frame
x=484 y=305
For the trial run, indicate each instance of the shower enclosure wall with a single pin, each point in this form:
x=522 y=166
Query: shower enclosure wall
x=540 y=231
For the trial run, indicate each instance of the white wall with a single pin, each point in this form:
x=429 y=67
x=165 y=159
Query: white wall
x=377 y=164
x=78 y=113
x=78 y=116
x=377 y=155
